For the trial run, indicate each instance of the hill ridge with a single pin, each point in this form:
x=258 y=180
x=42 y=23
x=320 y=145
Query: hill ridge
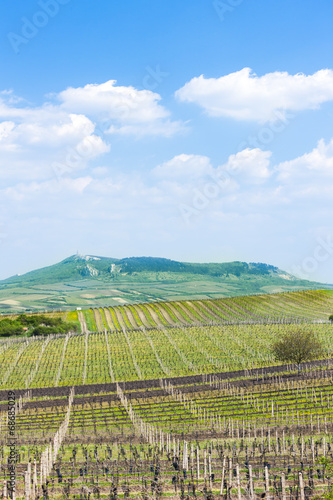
x=91 y=280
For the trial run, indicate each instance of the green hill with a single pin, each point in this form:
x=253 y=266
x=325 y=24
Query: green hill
x=93 y=281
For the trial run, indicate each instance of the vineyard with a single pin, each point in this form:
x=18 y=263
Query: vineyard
x=255 y=309
x=171 y=400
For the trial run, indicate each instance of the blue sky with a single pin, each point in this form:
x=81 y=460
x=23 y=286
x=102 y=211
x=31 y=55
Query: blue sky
x=195 y=130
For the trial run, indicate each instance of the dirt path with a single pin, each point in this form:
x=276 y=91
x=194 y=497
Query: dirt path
x=188 y=312
x=80 y=316
x=154 y=315
x=209 y=311
x=142 y=316
x=130 y=317
x=165 y=314
x=120 y=319
x=109 y=319
x=98 y=320
x=202 y=315
x=178 y=315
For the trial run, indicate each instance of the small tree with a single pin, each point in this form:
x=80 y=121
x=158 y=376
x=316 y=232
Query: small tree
x=331 y=318
x=296 y=347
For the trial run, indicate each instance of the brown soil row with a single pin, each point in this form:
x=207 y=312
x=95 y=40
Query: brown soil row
x=137 y=385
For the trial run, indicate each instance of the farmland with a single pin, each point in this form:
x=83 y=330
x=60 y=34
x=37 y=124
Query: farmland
x=176 y=399
x=149 y=341
x=287 y=308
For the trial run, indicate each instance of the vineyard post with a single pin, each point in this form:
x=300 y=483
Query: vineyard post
x=26 y=486
x=251 y=482
x=222 y=478
x=267 y=497
x=238 y=483
x=186 y=458
x=210 y=470
x=301 y=485
x=230 y=472
x=262 y=436
x=205 y=465
x=29 y=481
x=198 y=465
x=35 y=486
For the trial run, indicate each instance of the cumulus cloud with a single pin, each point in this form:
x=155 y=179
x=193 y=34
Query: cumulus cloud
x=246 y=191
x=245 y=96
x=63 y=136
x=250 y=165
x=34 y=138
x=315 y=166
x=127 y=109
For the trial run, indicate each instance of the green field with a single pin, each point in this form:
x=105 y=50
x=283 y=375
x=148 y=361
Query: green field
x=170 y=415
x=157 y=340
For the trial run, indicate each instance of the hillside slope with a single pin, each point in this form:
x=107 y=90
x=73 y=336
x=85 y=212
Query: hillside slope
x=147 y=341
x=92 y=281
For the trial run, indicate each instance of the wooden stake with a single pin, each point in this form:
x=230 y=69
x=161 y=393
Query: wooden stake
x=283 y=486
x=238 y=483
x=205 y=465
x=266 y=483
x=251 y=482
x=301 y=485
x=230 y=473
x=222 y=478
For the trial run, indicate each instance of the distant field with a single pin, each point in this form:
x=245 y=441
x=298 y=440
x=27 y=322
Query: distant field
x=144 y=287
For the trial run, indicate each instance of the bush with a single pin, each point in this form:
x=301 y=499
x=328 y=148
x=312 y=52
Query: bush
x=296 y=347
x=37 y=324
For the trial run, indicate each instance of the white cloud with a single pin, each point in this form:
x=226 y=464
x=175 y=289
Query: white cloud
x=95 y=207
x=127 y=110
x=184 y=166
x=35 y=138
x=313 y=167
x=124 y=104
x=26 y=192
x=61 y=138
x=245 y=96
x=158 y=128
x=250 y=166
x=5 y=130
